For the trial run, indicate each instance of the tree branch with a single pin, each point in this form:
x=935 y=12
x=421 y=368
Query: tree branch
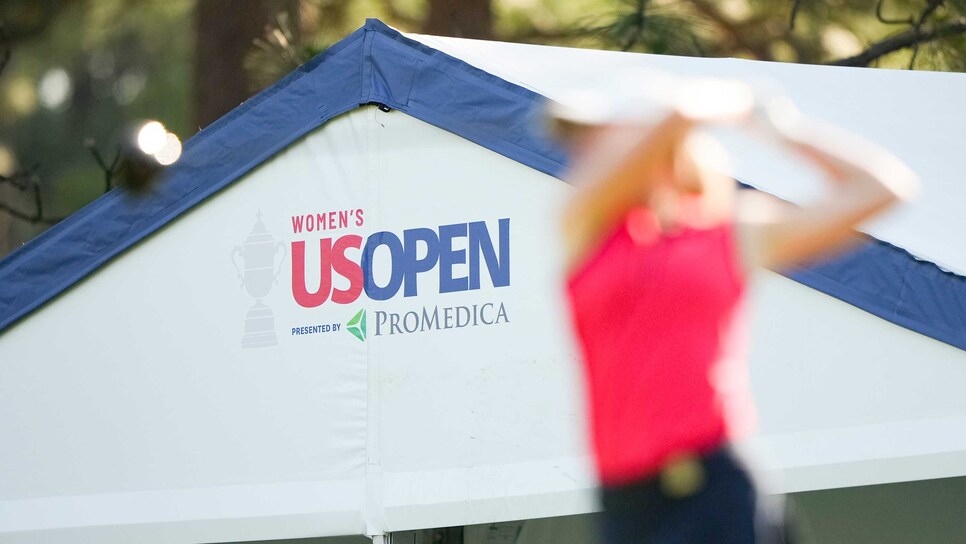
x=638 y=17
x=20 y=215
x=917 y=26
x=930 y=9
x=883 y=19
x=909 y=38
x=27 y=181
x=24 y=181
x=108 y=169
x=735 y=31
x=5 y=48
x=536 y=35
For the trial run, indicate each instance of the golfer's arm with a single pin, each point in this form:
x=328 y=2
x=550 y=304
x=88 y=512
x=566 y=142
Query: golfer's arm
x=865 y=180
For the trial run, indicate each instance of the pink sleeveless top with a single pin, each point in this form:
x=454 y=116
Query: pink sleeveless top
x=657 y=319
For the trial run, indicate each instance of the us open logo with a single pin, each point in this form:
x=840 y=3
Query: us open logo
x=339 y=268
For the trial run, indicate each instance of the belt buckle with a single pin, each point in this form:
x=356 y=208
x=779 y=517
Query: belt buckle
x=682 y=476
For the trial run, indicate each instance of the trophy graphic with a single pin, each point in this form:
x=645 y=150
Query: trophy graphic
x=258 y=253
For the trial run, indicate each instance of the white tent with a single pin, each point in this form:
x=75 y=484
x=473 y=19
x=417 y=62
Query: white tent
x=333 y=318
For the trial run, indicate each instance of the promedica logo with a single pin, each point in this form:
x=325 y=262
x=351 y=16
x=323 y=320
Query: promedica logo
x=357 y=325
x=437 y=318
x=460 y=255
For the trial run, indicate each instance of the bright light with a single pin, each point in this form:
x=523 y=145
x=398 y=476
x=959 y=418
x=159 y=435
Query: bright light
x=22 y=95
x=55 y=88
x=128 y=86
x=152 y=136
x=154 y=141
x=8 y=163
x=170 y=151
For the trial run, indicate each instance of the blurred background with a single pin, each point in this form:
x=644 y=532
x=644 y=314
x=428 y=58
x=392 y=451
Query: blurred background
x=75 y=73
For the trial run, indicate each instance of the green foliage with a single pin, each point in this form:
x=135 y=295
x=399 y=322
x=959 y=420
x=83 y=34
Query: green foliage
x=647 y=25
x=123 y=61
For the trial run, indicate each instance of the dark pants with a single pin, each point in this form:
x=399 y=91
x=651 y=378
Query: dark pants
x=714 y=502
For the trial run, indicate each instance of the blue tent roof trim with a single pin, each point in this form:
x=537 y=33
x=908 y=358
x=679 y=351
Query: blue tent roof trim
x=887 y=281
x=377 y=64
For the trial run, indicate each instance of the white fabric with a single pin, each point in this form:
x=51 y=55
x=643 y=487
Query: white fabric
x=848 y=399
x=476 y=424
x=130 y=402
x=915 y=114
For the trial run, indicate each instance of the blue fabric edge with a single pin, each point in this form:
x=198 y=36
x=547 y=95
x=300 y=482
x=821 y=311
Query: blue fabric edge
x=399 y=61
x=874 y=275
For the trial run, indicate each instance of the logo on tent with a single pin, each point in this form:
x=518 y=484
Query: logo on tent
x=461 y=255
x=258 y=273
x=357 y=325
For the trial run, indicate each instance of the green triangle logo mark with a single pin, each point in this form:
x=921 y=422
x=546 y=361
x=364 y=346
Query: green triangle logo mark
x=357 y=325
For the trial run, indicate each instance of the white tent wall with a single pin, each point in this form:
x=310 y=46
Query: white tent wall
x=847 y=399
x=131 y=411
x=176 y=432
x=479 y=423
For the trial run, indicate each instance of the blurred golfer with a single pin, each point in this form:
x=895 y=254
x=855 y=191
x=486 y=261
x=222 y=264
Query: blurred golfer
x=660 y=249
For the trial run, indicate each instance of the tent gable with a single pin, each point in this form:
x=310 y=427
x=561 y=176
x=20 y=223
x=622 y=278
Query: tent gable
x=375 y=64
